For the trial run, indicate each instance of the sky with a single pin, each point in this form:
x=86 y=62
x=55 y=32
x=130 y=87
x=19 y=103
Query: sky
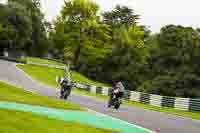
x=3 y=1
x=154 y=13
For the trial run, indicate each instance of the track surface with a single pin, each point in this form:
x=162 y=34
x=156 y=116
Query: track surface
x=156 y=121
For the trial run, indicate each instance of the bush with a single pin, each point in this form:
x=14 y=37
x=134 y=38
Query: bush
x=179 y=85
x=17 y=60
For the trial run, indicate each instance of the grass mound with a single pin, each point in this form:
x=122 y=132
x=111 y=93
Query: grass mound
x=12 y=94
x=23 y=122
x=48 y=75
x=43 y=61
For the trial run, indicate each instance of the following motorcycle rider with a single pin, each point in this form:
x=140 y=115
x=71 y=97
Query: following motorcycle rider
x=121 y=88
x=117 y=91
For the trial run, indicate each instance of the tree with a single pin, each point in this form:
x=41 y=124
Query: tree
x=78 y=14
x=174 y=62
x=176 y=85
x=129 y=55
x=121 y=15
x=57 y=37
x=29 y=21
x=178 y=45
x=5 y=29
x=79 y=34
x=7 y=32
x=22 y=27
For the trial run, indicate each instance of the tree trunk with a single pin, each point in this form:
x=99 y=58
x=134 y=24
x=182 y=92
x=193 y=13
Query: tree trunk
x=76 y=55
x=78 y=50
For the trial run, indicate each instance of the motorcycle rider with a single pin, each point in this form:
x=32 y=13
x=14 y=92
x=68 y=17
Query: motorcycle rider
x=116 y=92
x=66 y=87
x=121 y=89
x=66 y=84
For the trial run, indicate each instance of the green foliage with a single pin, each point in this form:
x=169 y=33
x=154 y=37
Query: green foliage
x=121 y=15
x=22 y=27
x=179 y=46
x=79 y=18
x=78 y=34
x=57 y=38
x=173 y=65
x=7 y=33
x=107 y=46
x=100 y=49
x=129 y=55
x=16 y=21
x=182 y=85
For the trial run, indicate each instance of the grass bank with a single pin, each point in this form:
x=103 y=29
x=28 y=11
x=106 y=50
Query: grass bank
x=13 y=94
x=43 y=61
x=48 y=75
x=23 y=122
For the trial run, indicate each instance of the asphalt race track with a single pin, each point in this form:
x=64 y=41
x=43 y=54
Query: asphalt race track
x=155 y=121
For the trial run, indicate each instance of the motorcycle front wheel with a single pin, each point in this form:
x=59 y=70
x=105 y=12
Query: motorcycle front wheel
x=67 y=93
x=117 y=104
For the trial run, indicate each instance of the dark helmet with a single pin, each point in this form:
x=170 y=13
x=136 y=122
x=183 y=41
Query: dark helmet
x=119 y=79
x=114 y=83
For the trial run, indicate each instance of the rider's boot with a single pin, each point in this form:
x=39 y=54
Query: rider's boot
x=120 y=100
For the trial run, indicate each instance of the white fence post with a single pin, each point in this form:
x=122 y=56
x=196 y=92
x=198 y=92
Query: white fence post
x=105 y=91
x=156 y=100
x=182 y=103
x=135 y=96
x=5 y=53
x=93 y=89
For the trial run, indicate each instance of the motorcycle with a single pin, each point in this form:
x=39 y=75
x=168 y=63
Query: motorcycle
x=65 y=90
x=115 y=100
x=64 y=93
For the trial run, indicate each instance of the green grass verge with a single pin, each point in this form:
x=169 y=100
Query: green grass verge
x=23 y=122
x=193 y=115
x=45 y=71
x=44 y=74
x=48 y=75
x=13 y=94
x=43 y=61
